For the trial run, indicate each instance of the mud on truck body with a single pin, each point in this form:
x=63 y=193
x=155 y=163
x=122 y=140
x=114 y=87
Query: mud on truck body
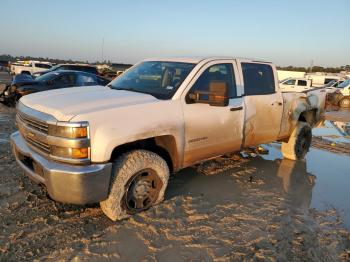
x=118 y=144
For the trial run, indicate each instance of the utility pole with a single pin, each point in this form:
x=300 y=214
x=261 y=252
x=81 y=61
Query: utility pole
x=103 y=42
x=311 y=66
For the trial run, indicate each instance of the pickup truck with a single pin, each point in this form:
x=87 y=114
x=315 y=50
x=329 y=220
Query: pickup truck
x=118 y=144
x=295 y=84
x=29 y=68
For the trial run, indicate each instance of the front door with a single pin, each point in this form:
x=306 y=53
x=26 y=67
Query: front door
x=213 y=130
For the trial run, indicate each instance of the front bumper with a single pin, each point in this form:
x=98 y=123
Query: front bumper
x=64 y=182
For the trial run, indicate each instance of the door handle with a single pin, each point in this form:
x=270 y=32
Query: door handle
x=278 y=103
x=236 y=108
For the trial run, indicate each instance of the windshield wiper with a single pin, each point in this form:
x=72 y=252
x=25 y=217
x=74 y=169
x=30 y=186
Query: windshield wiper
x=131 y=90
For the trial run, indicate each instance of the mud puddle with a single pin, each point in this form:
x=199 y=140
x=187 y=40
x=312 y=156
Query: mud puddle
x=331 y=174
x=4 y=138
x=334 y=131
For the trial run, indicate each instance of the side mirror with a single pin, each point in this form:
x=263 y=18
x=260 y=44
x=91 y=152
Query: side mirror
x=216 y=96
x=49 y=82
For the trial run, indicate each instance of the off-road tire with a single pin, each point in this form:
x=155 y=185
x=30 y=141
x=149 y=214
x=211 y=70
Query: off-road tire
x=299 y=142
x=345 y=102
x=124 y=169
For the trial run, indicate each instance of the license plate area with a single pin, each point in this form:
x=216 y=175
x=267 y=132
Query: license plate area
x=31 y=164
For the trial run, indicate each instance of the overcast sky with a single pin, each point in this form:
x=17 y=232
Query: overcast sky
x=285 y=32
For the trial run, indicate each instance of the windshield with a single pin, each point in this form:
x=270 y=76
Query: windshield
x=344 y=84
x=159 y=79
x=330 y=84
x=55 y=67
x=46 y=77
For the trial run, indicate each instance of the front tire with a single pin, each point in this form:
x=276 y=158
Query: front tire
x=139 y=179
x=299 y=142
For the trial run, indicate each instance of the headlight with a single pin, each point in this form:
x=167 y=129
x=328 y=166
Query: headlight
x=69 y=130
x=74 y=144
x=66 y=152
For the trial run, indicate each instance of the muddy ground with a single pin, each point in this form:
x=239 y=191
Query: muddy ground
x=256 y=207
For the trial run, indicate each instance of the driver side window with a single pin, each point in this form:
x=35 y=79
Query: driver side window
x=216 y=73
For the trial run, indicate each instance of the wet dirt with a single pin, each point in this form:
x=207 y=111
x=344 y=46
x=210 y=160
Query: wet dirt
x=230 y=208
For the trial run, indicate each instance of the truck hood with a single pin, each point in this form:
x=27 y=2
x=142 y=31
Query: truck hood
x=66 y=103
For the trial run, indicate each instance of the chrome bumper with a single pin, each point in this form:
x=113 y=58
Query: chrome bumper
x=64 y=182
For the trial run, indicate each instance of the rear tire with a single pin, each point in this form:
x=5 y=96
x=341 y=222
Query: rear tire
x=299 y=142
x=345 y=102
x=139 y=179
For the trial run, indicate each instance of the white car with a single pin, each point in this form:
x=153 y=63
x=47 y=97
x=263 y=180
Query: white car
x=295 y=84
x=344 y=90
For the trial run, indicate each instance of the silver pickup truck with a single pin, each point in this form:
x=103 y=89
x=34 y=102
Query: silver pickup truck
x=118 y=144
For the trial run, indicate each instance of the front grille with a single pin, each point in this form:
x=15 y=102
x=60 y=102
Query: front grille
x=39 y=145
x=27 y=126
x=33 y=122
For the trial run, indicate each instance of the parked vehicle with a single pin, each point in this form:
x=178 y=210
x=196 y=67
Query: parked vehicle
x=333 y=84
x=344 y=90
x=28 y=67
x=76 y=67
x=321 y=80
x=24 y=84
x=295 y=84
x=117 y=144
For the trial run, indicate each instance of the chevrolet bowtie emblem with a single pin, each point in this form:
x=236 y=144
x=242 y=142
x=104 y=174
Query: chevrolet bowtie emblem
x=31 y=134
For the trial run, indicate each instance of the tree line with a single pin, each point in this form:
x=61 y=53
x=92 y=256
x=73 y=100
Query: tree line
x=316 y=69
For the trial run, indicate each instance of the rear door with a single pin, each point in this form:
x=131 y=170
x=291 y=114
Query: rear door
x=263 y=103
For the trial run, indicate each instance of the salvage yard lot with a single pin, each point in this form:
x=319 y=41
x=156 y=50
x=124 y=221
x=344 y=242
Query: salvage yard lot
x=229 y=208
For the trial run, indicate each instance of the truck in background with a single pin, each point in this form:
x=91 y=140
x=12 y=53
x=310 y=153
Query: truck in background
x=295 y=84
x=28 y=67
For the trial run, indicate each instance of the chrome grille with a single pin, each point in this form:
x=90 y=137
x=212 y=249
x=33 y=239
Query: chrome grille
x=28 y=126
x=33 y=122
x=39 y=145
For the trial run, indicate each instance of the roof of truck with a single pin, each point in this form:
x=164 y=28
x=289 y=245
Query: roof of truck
x=198 y=59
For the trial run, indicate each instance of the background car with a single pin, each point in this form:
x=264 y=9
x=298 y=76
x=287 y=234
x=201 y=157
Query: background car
x=76 y=67
x=24 y=84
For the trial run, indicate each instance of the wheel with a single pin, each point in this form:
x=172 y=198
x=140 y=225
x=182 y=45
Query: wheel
x=299 y=142
x=345 y=102
x=139 y=179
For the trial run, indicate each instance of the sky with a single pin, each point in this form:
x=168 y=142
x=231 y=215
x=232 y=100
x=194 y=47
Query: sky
x=286 y=32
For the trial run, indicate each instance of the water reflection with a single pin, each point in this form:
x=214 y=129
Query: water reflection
x=297 y=182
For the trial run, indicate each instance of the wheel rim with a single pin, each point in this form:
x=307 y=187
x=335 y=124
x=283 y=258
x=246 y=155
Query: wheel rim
x=142 y=191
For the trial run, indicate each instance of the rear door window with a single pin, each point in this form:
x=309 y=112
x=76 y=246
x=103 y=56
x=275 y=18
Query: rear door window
x=302 y=83
x=258 y=79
